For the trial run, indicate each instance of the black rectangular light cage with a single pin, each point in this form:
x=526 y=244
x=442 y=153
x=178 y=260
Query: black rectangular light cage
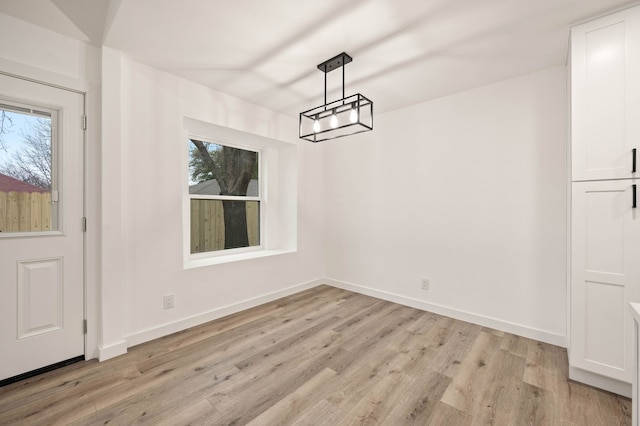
x=343 y=117
x=353 y=114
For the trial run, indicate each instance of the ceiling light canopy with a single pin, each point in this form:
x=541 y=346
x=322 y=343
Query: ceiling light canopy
x=343 y=117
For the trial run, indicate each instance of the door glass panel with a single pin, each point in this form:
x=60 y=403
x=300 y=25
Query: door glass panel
x=28 y=195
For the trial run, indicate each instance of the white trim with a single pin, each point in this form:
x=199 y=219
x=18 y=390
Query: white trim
x=495 y=323
x=223 y=256
x=601 y=382
x=37 y=75
x=113 y=350
x=173 y=327
x=234 y=254
x=223 y=197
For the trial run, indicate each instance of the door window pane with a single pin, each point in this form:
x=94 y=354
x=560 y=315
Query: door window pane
x=27 y=195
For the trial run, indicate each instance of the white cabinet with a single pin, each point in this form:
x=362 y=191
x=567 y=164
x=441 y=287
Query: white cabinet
x=605 y=276
x=605 y=228
x=605 y=96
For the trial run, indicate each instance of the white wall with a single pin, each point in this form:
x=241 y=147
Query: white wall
x=467 y=190
x=52 y=56
x=148 y=109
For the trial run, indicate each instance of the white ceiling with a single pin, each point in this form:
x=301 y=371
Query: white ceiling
x=404 y=51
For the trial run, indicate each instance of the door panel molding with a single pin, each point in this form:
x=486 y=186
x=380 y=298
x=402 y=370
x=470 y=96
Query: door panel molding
x=40 y=297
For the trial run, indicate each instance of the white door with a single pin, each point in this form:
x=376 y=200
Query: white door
x=41 y=233
x=605 y=276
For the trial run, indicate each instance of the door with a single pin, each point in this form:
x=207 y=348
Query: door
x=41 y=232
x=605 y=276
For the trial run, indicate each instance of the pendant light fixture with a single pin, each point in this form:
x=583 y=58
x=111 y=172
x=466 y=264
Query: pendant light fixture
x=343 y=117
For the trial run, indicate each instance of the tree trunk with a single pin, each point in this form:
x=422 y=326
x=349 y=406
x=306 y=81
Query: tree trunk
x=235 y=224
x=237 y=174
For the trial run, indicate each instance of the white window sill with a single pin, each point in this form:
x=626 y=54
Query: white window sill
x=222 y=259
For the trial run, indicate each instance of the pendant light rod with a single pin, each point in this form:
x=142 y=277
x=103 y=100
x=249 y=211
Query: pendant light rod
x=342 y=84
x=338 y=61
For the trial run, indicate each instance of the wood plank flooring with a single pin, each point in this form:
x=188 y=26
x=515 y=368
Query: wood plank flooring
x=321 y=357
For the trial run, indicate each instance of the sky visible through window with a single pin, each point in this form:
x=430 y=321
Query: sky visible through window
x=25 y=147
x=15 y=127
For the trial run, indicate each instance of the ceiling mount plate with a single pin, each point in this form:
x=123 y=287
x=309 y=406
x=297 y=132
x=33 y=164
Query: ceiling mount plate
x=335 y=62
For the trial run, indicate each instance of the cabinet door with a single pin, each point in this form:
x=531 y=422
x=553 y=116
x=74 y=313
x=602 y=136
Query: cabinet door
x=605 y=277
x=605 y=96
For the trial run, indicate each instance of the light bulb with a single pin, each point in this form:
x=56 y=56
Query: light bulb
x=334 y=121
x=353 y=117
x=316 y=125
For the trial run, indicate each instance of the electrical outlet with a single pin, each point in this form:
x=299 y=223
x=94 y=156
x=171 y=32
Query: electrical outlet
x=424 y=283
x=168 y=301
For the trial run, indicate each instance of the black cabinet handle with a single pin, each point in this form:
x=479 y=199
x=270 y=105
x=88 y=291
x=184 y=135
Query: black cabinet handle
x=634 y=204
x=633 y=160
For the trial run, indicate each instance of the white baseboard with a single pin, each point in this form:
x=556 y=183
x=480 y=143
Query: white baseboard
x=602 y=382
x=111 y=351
x=497 y=324
x=173 y=327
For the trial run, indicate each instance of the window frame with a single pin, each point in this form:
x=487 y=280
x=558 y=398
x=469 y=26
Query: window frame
x=261 y=199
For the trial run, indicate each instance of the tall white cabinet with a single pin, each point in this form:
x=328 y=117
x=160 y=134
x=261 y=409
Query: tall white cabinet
x=605 y=223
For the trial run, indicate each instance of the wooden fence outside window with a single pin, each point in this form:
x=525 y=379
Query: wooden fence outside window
x=31 y=211
x=25 y=211
x=207 y=224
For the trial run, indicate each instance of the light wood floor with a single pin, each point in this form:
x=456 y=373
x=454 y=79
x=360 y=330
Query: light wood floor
x=321 y=357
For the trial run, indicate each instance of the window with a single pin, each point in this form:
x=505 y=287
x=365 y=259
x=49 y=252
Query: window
x=28 y=192
x=225 y=197
x=270 y=201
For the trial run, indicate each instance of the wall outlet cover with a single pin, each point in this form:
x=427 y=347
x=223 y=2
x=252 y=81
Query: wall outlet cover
x=424 y=283
x=168 y=301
